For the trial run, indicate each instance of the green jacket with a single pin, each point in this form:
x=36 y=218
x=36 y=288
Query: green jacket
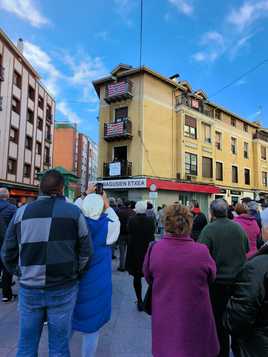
x=228 y=245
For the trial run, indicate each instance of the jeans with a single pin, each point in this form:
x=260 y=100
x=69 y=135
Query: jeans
x=89 y=344
x=6 y=282
x=37 y=304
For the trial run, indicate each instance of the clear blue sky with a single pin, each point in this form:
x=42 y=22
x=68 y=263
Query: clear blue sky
x=209 y=43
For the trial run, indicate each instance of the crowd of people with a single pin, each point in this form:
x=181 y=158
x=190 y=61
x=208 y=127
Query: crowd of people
x=208 y=275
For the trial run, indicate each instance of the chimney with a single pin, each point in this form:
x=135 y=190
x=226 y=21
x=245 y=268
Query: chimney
x=20 y=45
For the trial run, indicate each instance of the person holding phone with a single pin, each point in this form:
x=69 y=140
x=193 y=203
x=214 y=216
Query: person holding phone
x=93 y=307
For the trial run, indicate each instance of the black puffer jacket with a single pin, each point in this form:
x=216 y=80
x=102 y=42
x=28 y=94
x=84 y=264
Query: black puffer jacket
x=246 y=317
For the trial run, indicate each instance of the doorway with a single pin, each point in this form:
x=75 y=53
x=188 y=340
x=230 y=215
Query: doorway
x=120 y=154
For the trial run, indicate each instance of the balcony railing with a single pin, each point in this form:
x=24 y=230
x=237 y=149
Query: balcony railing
x=2 y=70
x=196 y=104
x=117 y=169
x=261 y=135
x=118 y=91
x=118 y=131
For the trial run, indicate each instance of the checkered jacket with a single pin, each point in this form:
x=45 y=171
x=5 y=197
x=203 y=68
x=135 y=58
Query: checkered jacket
x=47 y=243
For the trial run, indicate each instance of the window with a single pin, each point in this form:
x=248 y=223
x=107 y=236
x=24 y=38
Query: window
x=190 y=127
x=219 y=171
x=233 y=121
x=40 y=102
x=234 y=174
x=36 y=172
x=28 y=143
x=218 y=140
x=247 y=176
x=246 y=150
x=233 y=146
x=264 y=179
x=120 y=114
x=30 y=116
x=207 y=167
x=12 y=166
x=263 y=152
x=46 y=160
x=48 y=133
x=14 y=135
x=245 y=127
x=15 y=105
x=27 y=170
x=49 y=113
x=217 y=114
x=31 y=93
x=17 y=79
x=190 y=164
x=207 y=133
x=40 y=123
x=38 y=148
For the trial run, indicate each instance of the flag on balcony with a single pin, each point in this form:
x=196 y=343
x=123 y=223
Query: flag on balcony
x=115 y=129
x=118 y=88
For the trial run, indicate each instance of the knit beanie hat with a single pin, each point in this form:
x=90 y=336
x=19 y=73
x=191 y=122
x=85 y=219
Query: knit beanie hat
x=92 y=206
x=141 y=207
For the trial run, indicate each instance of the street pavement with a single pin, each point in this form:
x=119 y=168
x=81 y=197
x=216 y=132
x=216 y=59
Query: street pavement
x=128 y=334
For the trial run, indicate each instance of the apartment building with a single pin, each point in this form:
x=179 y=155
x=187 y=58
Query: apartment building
x=158 y=134
x=75 y=152
x=26 y=122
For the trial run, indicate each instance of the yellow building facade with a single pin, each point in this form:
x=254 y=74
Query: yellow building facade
x=158 y=130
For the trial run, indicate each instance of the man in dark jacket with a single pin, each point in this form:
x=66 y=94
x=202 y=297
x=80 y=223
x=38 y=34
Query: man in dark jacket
x=124 y=213
x=246 y=316
x=48 y=246
x=199 y=220
x=228 y=245
x=141 y=232
x=7 y=211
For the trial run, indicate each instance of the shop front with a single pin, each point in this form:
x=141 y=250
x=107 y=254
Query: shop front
x=165 y=192
x=21 y=193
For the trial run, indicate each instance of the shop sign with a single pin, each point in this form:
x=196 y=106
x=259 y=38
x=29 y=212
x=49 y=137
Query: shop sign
x=131 y=183
x=115 y=169
x=237 y=193
x=222 y=190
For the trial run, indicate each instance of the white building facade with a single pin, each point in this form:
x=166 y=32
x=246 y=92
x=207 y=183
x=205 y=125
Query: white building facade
x=26 y=122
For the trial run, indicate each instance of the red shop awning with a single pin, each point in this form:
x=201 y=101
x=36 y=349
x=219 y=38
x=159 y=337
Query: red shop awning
x=182 y=186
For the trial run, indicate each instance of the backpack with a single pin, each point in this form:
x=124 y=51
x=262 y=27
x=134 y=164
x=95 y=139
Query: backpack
x=3 y=228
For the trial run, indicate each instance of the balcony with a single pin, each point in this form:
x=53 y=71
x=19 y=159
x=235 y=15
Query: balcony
x=118 y=91
x=2 y=77
x=196 y=104
x=261 y=135
x=118 y=131
x=117 y=169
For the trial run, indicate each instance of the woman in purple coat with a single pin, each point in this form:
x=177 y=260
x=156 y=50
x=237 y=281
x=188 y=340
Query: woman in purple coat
x=180 y=271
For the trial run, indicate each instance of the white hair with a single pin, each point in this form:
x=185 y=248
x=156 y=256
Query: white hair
x=141 y=207
x=4 y=193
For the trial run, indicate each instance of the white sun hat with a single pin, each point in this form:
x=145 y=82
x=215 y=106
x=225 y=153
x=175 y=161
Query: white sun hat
x=92 y=206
